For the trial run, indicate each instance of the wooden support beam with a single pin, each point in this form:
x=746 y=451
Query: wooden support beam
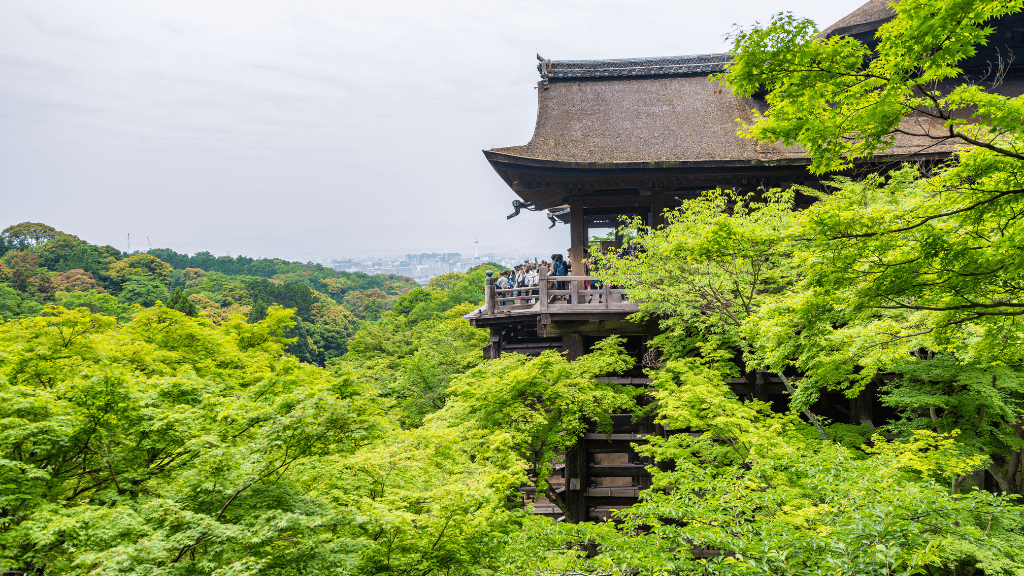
x=495 y=342
x=618 y=470
x=572 y=345
x=616 y=437
x=543 y=293
x=576 y=482
x=576 y=479
x=599 y=328
x=577 y=235
x=617 y=201
x=490 y=302
x=761 y=385
x=598 y=501
x=613 y=447
x=619 y=491
x=657 y=210
x=629 y=381
x=861 y=406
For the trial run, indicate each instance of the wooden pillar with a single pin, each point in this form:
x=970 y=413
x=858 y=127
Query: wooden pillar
x=761 y=385
x=542 y=287
x=495 y=342
x=576 y=481
x=489 y=295
x=572 y=344
x=657 y=210
x=577 y=235
x=861 y=406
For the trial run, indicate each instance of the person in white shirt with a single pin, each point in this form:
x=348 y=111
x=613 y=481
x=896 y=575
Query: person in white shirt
x=531 y=280
x=502 y=284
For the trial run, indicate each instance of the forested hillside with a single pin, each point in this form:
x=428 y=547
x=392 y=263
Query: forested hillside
x=40 y=265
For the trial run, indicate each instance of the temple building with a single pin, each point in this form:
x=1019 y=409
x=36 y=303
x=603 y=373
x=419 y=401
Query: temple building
x=634 y=137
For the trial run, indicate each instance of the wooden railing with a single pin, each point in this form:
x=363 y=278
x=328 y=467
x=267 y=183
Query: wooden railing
x=555 y=294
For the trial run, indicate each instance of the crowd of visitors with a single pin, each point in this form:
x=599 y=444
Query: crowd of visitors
x=522 y=284
x=525 y=276
x=524 y=279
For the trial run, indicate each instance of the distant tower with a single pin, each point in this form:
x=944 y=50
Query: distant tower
x=476 y=246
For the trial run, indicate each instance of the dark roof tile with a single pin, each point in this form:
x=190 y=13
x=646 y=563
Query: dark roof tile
x=630 y=67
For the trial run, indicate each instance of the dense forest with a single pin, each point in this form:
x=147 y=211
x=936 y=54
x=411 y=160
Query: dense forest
x=40 y=266
x=160 y=417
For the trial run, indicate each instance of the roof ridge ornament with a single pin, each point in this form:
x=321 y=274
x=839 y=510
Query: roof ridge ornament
x=629 y=67
x=544 y=67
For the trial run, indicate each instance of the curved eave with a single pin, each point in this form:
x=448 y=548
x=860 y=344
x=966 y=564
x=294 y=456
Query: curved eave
x=527 y=161
x=547 y=183
x=511 y=159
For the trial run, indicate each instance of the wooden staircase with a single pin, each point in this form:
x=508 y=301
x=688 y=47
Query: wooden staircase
x=601 y=473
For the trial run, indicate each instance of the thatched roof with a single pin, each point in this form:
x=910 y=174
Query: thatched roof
x=667 y=109
x=646 y=119
x=868 y=17
x=681 y=118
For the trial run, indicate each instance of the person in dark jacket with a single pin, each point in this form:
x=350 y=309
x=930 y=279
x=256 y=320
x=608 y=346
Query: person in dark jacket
x=559 y=267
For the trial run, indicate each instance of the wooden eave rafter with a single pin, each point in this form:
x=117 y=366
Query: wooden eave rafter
x=547 y=184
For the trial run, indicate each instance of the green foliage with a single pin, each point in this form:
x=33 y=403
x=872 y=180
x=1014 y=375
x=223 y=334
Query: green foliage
x=42 y=265
x=983 y=402
x=711 y=266
x=182 y=304
x=140 y=265
x=406 y=304
x=901 y=274
x=208 y=450
x=445 y=281
x=258 y=312
x=784 y=502
x=26 y=235
x=426 y=502
x=537 y=407
x=321 y=279
x=421 y=381
x=97 y=303
x=14 y=304
x=367 y=304
x=24 y=272
x=849 y=435
x=420 y=304
x=66 y=252
x=296 y=296
x=842 y=100
x=142 y=290
x=413 y=363
x=164 y=445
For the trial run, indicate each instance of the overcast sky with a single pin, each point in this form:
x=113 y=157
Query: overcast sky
x=306 y=128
